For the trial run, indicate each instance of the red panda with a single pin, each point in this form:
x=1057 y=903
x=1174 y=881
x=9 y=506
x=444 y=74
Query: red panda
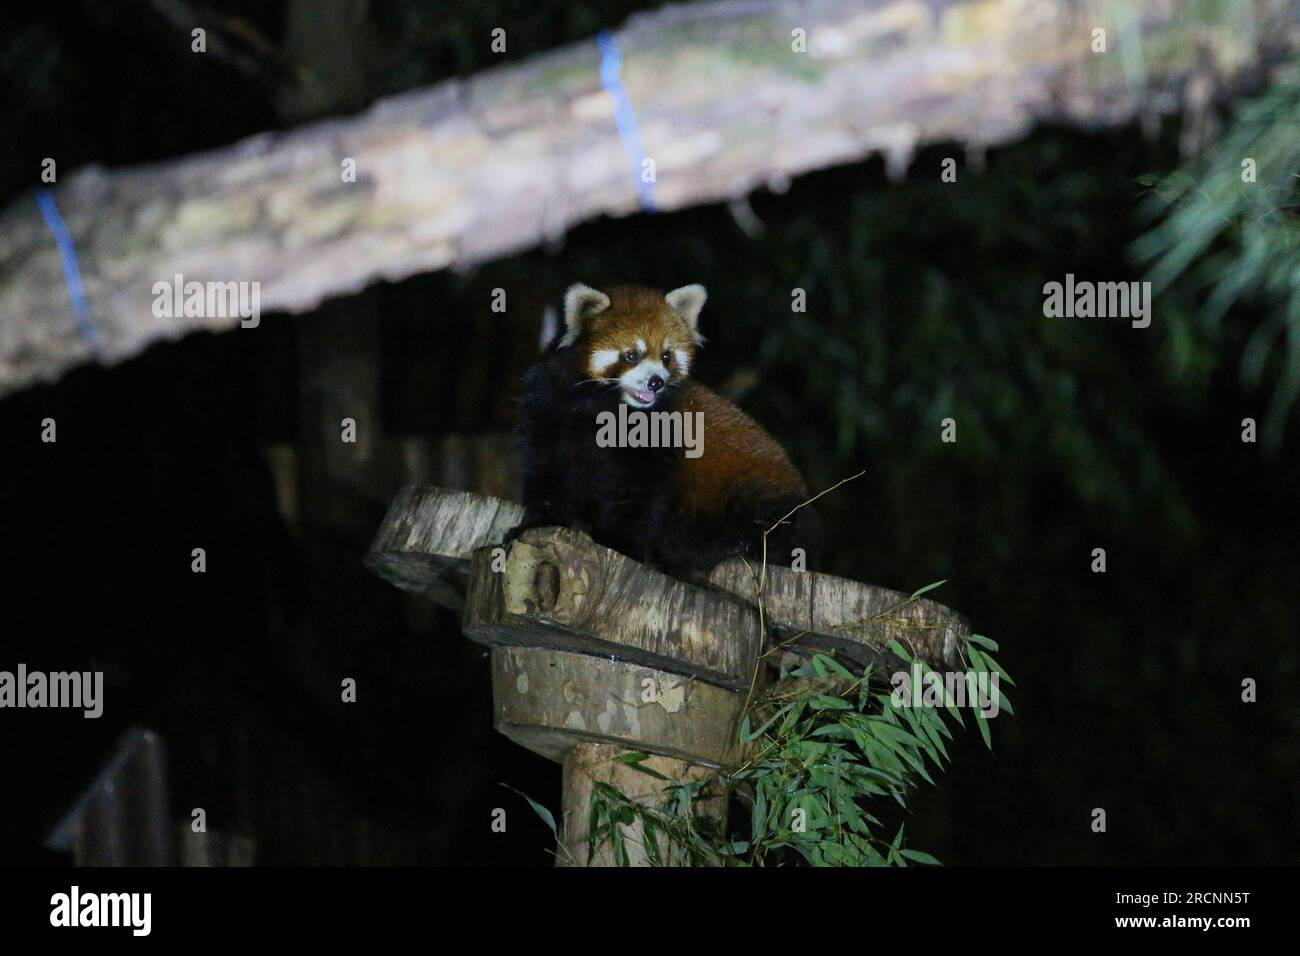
x=669 y=506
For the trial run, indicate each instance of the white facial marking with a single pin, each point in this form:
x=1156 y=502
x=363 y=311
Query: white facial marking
x=640 y=346
x=638 y=380
x=640 y=376
x=602 y=360
x=683 y=361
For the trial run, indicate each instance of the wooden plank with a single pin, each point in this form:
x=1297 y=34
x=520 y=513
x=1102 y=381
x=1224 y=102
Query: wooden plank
x=856 y=620
x=558 y=588
x=429 y=534
x=598 y=601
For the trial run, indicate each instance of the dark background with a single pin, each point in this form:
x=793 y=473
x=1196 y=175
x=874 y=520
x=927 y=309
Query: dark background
x=925 y=302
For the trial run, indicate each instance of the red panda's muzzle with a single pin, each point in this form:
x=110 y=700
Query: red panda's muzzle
x=643 y=397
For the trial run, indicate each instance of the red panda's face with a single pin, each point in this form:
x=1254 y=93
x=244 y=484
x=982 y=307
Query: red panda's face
x=643 y=360
x=639 y=340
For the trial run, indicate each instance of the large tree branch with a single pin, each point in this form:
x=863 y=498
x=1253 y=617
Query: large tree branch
x=471 y=170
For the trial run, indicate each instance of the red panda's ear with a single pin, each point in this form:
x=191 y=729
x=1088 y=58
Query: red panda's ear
x=687 y=302
x=581 y=302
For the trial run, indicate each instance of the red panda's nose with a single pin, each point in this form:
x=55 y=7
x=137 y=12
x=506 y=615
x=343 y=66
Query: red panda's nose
x=655 y=383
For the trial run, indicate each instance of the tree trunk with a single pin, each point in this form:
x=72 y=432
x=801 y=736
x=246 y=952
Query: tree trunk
x=589 y=764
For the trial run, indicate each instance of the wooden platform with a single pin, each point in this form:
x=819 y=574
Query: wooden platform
x=595 y=656
x=557 y=587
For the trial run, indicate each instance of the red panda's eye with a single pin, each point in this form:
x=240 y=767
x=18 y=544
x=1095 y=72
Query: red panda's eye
x=668 y=357
x=630 y=357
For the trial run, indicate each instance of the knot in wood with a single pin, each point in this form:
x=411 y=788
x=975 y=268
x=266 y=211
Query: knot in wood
x=546 y=585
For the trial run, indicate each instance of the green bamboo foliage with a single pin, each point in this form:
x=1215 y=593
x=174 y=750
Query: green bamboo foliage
x=1237 y=240
x=825 y=746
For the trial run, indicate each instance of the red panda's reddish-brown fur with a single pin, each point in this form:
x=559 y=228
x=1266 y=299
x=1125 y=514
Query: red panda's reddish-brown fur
x=638 y=313
x=735 y=445
x=736 y=448
x=636 y=347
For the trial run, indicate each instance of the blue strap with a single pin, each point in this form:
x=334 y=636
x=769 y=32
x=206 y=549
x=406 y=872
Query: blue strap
x=610 y=62
x=71 y=272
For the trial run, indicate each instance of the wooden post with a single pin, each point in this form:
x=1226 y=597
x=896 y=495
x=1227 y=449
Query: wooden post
x=595 y=656
x=588 y=764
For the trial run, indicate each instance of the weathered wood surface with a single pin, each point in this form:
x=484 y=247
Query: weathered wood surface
x=596 y=600
x=855 y=620
x=470 y=170
x=429 y=535
x=547 y=701
x=558 y=588
x=588 y=764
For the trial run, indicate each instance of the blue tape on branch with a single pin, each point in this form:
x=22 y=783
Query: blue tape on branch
x=610 y=62
x=71 y=271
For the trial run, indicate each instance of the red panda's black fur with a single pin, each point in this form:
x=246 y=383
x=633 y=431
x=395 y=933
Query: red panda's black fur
x=654 y=504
